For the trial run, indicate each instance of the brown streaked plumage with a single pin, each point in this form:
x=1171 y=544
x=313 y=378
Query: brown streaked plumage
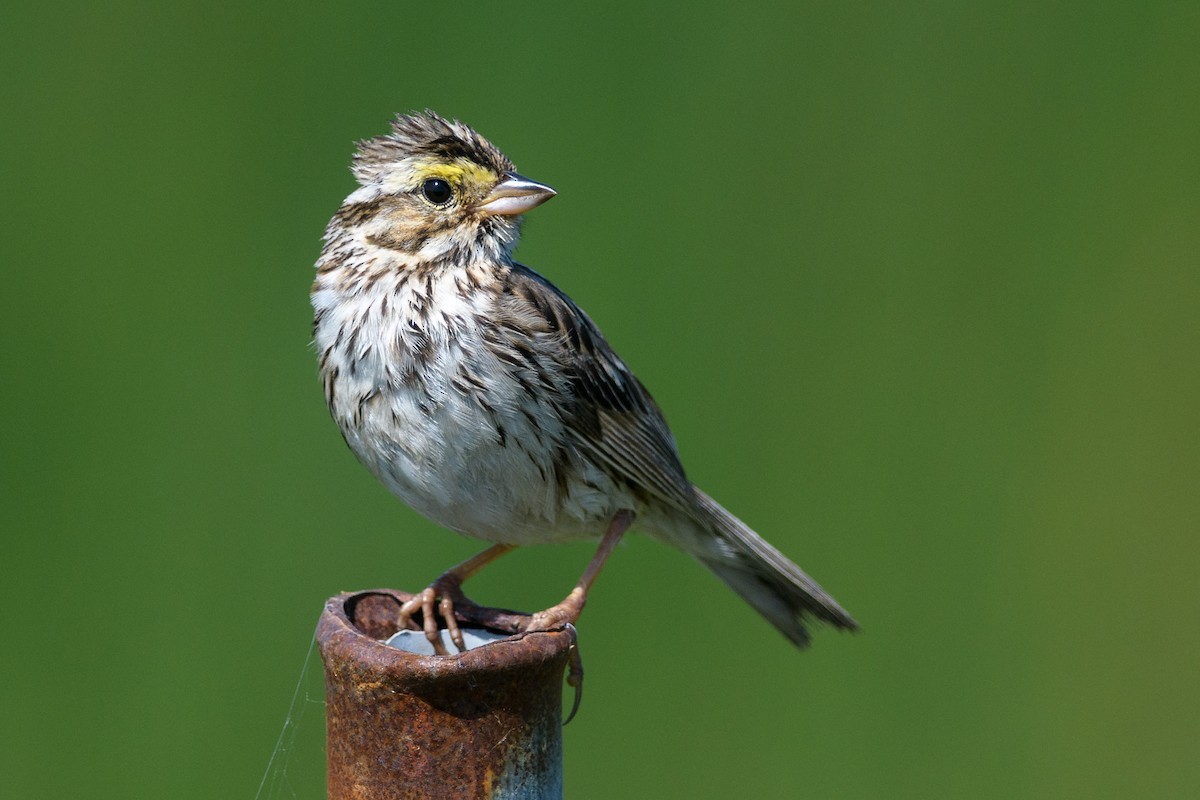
x=479 y=393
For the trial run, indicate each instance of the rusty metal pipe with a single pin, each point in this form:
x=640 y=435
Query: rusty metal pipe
x=481 y=724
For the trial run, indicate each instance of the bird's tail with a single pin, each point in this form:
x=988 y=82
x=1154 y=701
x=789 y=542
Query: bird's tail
x=764 y=577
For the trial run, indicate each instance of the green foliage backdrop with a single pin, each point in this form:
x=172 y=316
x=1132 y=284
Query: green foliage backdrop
x=918 y=290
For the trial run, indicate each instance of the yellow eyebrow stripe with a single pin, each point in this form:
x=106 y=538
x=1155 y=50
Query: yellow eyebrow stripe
x=459 y=172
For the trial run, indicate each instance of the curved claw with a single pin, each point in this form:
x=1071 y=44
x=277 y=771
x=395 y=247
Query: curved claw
x=574 y=673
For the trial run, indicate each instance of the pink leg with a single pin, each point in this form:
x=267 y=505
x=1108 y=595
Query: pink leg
x=572 y=606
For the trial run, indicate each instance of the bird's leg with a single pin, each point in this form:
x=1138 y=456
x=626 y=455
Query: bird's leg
x=572 y=606
x=568 y=611
x=444 y=592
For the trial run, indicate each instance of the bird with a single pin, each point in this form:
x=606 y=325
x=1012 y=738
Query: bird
x=482 y=396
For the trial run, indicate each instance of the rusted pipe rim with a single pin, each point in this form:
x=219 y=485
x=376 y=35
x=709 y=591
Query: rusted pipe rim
x=352 y=621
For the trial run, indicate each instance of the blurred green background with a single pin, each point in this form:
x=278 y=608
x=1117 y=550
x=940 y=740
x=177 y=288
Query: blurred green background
x=918 y=289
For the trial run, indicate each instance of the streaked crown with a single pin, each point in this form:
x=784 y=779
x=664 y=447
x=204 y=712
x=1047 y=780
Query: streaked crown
x=426 y=136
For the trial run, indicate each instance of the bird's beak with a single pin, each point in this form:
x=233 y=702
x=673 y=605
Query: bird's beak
x=514 y=195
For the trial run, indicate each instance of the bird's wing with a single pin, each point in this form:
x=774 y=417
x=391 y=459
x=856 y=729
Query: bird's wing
x=611 y=416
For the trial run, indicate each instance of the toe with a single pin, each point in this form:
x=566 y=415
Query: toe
x=446 y=607
x=574 y=673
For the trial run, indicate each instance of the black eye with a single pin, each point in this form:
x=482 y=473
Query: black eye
x=437 y=191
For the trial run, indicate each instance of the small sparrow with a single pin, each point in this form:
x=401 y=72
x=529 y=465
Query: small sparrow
x=483 y=397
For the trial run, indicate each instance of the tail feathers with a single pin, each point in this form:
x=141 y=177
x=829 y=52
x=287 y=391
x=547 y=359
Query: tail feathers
x=765 y=578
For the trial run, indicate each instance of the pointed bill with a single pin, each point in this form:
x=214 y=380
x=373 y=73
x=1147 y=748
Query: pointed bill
x=516 y=194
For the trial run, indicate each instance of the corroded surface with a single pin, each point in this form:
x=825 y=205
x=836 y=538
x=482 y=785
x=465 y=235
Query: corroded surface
x=481 y=724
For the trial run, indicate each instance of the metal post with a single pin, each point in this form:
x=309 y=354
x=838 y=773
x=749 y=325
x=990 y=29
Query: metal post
x=485 y=723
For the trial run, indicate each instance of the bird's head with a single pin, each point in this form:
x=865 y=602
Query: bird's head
x=435 y=190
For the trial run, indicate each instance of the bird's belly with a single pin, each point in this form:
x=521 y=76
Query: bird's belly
x=504 y=476
x=468 y=434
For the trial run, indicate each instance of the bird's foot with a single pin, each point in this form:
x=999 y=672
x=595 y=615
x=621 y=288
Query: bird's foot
x=565 y=613
x=437 y=599
x=444 y=593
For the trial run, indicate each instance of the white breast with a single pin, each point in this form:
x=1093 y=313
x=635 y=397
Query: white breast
x=402 y=359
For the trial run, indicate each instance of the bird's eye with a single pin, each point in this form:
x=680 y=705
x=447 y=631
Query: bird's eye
x=437 y=191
